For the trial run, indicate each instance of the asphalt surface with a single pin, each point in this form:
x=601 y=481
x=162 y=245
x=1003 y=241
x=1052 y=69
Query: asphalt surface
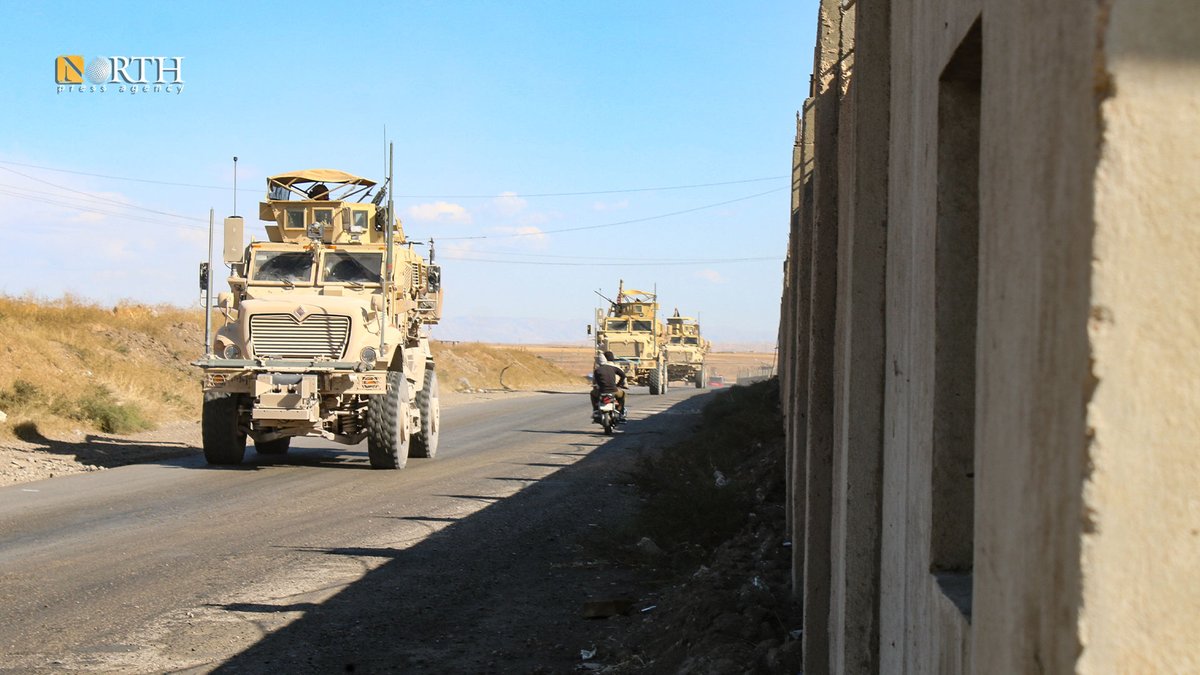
x=314 y=562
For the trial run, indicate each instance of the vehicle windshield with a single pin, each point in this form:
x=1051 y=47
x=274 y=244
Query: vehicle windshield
x=354 y=268
x=282 y=267
x=616 y=325
x=676 y=340
x=691 y=341
x=643 y=326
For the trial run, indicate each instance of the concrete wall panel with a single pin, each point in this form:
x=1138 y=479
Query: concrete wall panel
x=1086 y=524
x=1141 y=604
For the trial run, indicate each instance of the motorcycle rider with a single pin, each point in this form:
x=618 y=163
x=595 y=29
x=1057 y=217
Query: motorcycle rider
x=608 y=378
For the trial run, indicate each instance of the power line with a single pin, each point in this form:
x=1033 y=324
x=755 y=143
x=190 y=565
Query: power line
x=616 y=264
x=593 y=256
x=97 y=197
x=92 y=209
x=581 y=193
x=599 y=192
x=622 y=222
x=125 y=178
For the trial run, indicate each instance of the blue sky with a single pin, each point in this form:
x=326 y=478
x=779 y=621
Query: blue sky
x=496 y=110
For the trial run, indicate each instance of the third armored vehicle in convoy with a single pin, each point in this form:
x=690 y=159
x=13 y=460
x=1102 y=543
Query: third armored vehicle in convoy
x=685 y=350
x=631 y=331
x=326 y=327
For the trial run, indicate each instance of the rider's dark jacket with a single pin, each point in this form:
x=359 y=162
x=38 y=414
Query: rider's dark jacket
x=608 y=377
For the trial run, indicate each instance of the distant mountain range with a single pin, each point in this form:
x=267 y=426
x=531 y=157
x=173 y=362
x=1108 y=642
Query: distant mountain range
x=510 y=330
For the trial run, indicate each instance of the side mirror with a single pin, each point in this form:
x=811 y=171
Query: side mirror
x=589 y=329
x=435 y=278
x=204 y=276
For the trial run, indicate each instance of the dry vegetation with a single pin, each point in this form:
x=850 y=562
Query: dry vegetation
x=579 y=359
x=69 y=364
x=473 y=366
x=712 y=526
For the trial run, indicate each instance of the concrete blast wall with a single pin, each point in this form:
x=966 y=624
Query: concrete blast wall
x=989 y=339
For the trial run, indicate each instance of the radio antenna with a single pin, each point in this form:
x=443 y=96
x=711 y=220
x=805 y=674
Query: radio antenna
x=235 y=186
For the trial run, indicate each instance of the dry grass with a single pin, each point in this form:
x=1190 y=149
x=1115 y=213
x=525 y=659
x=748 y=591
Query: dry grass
x=581 y=359
x=471 y=365
x=71 y=364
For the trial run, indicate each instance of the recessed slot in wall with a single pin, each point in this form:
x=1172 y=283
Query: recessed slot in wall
x=956 y=275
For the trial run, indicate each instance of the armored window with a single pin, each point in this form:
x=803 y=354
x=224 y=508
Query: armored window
x=323 y=216
x=282 y=267
x=354 y=268
x=358 y=222
x=294 y=220
x=676 y=340
x=691 y=341
x=643 y=326
x=616 y=325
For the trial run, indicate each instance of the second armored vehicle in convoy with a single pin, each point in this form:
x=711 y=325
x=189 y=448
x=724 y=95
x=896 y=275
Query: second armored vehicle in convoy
x=631 y=331
x=326 y=327
x=685 y=350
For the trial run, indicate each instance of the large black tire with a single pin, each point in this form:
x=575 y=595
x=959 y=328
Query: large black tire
x=223 y=438
x=700 y=378
x=666 y=379
x=654 y=379
x=425 y=442
x=387 y=425
x=607 y=420
x=279 y=446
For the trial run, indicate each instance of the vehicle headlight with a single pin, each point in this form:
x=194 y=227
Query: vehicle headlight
x=367 y=358
x=232 y=352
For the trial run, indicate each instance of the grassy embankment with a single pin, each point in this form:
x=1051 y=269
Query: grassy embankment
x=69 y=364
x=472 y=365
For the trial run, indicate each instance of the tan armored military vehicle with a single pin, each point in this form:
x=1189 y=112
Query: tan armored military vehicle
x=325 y=327
x=685 y=350
x=631 y=331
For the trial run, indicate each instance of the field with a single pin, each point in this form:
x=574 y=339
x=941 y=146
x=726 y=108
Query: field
x=73 y=367
x=579 y=360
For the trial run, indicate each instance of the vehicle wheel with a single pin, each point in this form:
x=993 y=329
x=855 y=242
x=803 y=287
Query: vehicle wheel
x=223 y=438
x=425 y=442
x=655 y=381
x=666 y=379
x=279 y=446
x=607 y=420
x=700 y=379
x=387 y=425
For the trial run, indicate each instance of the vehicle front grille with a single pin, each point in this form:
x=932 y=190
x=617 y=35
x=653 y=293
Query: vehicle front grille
x=286 y=337
x=625 y=349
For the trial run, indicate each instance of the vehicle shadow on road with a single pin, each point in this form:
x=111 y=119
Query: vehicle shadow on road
x=104 y=450
x=498 y=590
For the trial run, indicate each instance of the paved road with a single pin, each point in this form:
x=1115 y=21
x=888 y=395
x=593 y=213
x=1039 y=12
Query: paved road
x=179 y=566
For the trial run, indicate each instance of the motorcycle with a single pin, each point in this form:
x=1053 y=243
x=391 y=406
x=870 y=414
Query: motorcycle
x=608 y=416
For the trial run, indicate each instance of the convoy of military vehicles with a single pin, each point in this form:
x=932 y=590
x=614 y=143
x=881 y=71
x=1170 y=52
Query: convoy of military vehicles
x=650 y=353
x=325 y=329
